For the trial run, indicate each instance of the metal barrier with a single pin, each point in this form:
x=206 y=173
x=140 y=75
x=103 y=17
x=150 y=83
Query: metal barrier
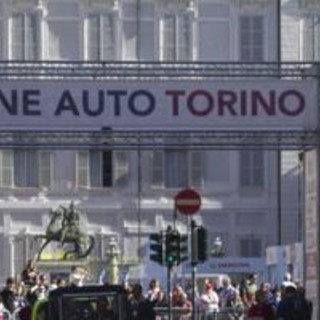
x=177 y=314
x=186 y=314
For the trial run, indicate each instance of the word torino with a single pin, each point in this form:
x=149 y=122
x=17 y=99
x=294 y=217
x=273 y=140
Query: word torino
x=144 y=103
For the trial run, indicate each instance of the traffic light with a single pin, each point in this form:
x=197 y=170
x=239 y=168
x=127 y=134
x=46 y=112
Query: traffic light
x=156 y=247
x=202 y=244
x=183 y=248
x=176 y=247
x=172 y=247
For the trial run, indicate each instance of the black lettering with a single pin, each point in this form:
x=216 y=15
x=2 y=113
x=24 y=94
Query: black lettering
x=30 y=98
x=12 y=105
x=86 y=103
x=66 y=103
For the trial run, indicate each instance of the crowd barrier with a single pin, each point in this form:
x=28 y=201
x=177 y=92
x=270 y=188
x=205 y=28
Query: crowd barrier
x=177 y=314
x=183 y=314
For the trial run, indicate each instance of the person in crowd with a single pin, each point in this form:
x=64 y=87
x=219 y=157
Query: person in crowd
x=235 y=308
x=276 y=296
x=250 y=289
x=302 y=294
x=265 y=290
x=227 y=292
x=287 y=281
x=29 y=273
x=260 y=308
x=21 y=292
x=161 y=300
x=293 y=306
x=40 y=290
x=209 y=301
x=77 y=276
x=8 y=295
x=138 y=306
x=61 y=283
x=154 y=288
x=180 y=301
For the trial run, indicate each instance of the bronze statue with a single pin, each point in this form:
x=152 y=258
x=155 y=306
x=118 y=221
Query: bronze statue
x=64 y=227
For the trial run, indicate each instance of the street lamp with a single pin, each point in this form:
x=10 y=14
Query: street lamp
x=217 y=250
x=113 y=255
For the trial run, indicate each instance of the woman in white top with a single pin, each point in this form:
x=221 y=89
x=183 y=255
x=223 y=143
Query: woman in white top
x=209 y=301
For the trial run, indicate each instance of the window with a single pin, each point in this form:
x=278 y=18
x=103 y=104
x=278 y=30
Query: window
x=6 y=172
x=250 y=247
x=102 y=169
x=2 y=39
x=32 y=168
x=251 y=38
x=101 y=37
x=24 y=37
x=63 y=36
x=177 y=169
x=251 y=168
x=311 y=39
x=176 y=37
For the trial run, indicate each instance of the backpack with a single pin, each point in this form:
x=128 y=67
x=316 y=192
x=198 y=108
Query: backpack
x=298 y=309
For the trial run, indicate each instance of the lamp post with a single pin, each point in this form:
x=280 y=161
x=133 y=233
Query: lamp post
x=217 y=250
x=113 y=255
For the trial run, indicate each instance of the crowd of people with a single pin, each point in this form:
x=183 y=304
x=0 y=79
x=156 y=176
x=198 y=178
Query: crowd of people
x=249 y=299
x=20 y=294
x=246 y=300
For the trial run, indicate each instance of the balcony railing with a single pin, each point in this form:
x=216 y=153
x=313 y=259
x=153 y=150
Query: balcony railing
x=157 y=70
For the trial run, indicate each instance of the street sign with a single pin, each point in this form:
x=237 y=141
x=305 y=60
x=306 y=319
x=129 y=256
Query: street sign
x=187 y=201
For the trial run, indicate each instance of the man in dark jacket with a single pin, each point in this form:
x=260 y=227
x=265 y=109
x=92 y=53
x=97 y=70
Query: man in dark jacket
x=8 y=295
x=139 y=307
x=293 y=306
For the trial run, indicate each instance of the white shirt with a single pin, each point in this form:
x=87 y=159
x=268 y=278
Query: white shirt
x=209 y=301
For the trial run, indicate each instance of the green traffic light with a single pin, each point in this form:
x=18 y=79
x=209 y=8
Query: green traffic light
x=176 y=247
x=172 y=246
x=170 y=259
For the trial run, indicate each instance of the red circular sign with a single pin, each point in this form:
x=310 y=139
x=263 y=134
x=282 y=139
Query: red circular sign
x=187 y=201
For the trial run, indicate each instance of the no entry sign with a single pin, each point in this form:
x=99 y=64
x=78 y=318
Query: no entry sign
x=187 y=201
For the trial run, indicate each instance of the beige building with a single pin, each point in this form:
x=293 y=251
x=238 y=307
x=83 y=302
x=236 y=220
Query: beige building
x=128 y=193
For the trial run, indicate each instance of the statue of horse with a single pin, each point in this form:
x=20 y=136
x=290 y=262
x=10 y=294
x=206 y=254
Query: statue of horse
x=64 y=228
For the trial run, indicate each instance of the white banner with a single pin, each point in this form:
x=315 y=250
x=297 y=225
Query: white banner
x=263 y=104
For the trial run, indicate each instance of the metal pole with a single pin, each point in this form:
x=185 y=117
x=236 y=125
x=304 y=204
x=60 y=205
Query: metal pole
x=138 y=9
x=279 y=32
x=169 y=293
x=194 y=268
x=279 y=196
x=139 y=199
x=175 y=215
x=193 y=279
x=279 y=189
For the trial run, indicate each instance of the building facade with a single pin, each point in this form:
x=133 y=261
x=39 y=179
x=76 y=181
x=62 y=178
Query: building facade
x=128 y=193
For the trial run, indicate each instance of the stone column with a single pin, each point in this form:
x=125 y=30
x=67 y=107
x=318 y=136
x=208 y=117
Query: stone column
x=113 y=256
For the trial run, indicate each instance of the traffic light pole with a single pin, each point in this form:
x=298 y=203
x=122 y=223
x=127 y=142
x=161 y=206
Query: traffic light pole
x=193 y=279
x=194 y=268
x=169 y=293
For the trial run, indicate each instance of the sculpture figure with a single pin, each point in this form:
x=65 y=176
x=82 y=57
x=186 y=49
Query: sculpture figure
x=64 y=227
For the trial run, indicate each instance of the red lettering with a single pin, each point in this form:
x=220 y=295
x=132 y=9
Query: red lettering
x=258 y=100
x=226 y=99
x=291 y=109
